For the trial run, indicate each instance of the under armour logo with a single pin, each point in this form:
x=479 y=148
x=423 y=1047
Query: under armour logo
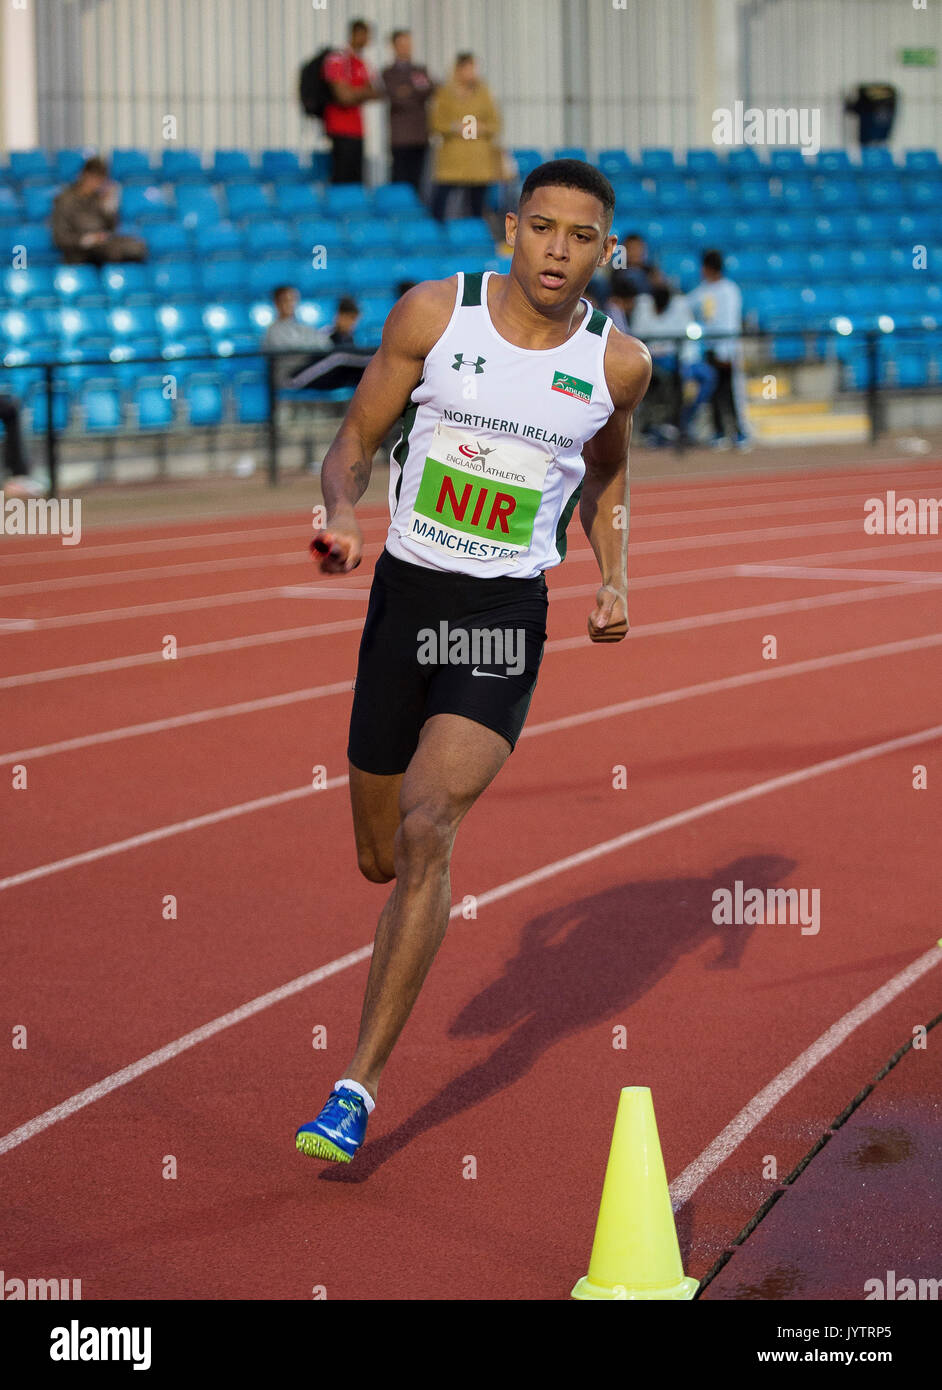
x=459 y=362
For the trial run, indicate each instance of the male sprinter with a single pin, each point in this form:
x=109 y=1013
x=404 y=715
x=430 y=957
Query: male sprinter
x=517 y=398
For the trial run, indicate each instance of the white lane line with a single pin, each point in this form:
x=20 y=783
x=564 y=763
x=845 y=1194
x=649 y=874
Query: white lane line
x=164 y=832
x=178 y=721
x=228 y=644
x=300 y=556
x=316 y=589
x=794 y=668
x=504 y=890
x=759 y=610
x=252 y=535
x=741 y=1126
x=557 y=644
x=809 y=572
x=569 y=721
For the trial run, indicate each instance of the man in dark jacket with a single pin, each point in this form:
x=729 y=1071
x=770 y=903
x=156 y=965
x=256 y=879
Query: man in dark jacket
x=409 y=88
x=84 y=218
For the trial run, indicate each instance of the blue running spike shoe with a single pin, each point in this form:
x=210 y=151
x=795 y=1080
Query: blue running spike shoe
x=339 y=1129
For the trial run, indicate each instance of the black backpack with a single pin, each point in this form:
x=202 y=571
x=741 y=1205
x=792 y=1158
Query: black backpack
x=315 y=92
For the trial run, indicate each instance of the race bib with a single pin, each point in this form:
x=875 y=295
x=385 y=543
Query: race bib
x=478 y=498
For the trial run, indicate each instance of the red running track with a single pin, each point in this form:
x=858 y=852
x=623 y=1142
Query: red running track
x=193 y=1037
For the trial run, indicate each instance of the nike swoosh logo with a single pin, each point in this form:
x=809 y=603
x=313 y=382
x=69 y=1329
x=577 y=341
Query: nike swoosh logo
x=494 y=674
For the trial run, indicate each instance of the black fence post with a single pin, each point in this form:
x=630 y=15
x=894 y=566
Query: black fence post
x=678 y=384
x=52 y=451
x=873 y=385
x=272 y=420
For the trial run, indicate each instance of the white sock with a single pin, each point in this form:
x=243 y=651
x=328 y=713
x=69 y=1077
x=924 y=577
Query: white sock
x=361 y=1091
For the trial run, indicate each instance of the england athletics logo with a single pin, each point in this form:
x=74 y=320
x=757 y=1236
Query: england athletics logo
x=572 y=386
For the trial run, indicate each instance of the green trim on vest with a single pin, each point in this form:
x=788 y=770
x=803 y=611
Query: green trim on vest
x=596 y=323
x=401 y=448
x=565 y=519
x=472 y=289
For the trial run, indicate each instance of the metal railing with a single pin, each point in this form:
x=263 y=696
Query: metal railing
x=872 y=390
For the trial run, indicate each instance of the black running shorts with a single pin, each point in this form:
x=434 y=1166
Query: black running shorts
x=442 y=643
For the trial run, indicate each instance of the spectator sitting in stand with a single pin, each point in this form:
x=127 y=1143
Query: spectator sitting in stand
x=287 y=331
x=348 y=316
x=19 y=483
x=661 y=321
x=84 y=218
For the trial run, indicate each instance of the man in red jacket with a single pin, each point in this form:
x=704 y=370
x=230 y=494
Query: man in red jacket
x=352 y=83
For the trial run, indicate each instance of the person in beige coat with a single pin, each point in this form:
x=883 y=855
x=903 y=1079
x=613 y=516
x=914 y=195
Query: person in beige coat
x=465 y=117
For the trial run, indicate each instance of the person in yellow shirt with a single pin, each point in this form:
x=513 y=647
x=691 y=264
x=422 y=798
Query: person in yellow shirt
x=465 y=117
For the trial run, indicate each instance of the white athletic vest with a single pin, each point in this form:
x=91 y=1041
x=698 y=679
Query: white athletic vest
x=487 y=471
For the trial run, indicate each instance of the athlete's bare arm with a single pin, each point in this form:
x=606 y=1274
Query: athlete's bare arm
x=605 y=487
x=414 y=325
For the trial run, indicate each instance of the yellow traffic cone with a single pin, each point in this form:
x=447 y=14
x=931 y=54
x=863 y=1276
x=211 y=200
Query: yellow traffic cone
x=635 y=1252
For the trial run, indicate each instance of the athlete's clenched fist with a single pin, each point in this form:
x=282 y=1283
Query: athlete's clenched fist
x=608 y=621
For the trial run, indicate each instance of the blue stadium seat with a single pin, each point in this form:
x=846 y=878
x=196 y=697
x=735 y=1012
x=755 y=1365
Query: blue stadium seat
x=922 y=160
x=38 y=200
x=881 y=192
x=372 y=234
x=789 y=161
x=248 y=200
x=833 y=161
x=269 y=238
x=20 y=380
x=21 y=327
x=469 y=234
x=144 y=203
x=37 y=404
x=876 y=157
x=671 y=192
x=223 y=320
x=743 y=161
x=153 y=408
x=31 y=164
x=76 y=322
x=297 y=200
x=182 y=165
x=571 y=152
x=262 y=313
x=398 y=200
x=921 y=193
x=128 y=284
x=753 y=191
x=181 y=280
x=36 y=238
x=424 y=237
x=203 y=394
x=219 y=238
x=130 y=163
x=67 y=164
x=261 y=277
x=10 y=210
x=317 y=313
x=195 y=348
x=36 y=284
x=320 y=166
x=874 y=226
x=836 y=227
x=232 y=351
x=281 y=165
x=226 y=278
x=911 y=368
x=232 y=165
x=346 y=200
x=653 y=160
x=527 y=158
x=168 y=240
x=705 y=161
x=100 y=406
x=74 y=282
x=133 y=321
x=320 y=231
x=250 y=393
x=197 y=203
x=177 y=320
x=798 y=193
x=711 y=192
x=338 y=276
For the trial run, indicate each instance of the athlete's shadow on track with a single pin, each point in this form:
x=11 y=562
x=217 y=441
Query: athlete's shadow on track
x=576 y=966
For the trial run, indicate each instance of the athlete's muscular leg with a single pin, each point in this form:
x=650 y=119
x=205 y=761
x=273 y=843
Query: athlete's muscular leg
x=375 y=802
x=454 y=762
